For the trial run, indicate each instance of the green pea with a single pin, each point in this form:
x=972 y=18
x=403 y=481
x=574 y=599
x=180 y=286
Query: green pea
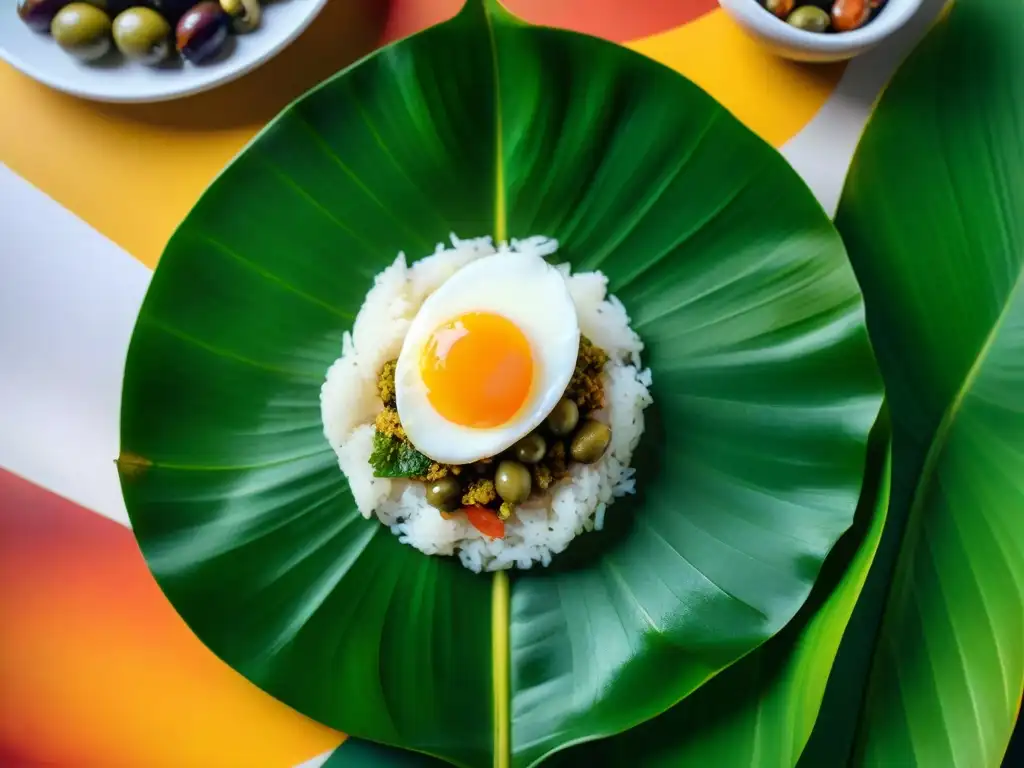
x=445 y=494
x=590 y=441
x=531 y=448
x=564 y=418
x=513 y=482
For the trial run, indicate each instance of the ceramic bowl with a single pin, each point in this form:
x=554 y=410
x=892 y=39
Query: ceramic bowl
x=800 y=45
x=114 y=79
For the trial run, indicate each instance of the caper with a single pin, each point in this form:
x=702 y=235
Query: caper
x=444 y=494
x=512 y=481
x=564 y=418
x=531 y=448
x=809 y=18
x=245 y=14
x=780 y=8
x=590 y=441
x=83 y=30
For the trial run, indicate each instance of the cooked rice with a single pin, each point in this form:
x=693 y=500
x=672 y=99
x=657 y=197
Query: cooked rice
x=540 y=528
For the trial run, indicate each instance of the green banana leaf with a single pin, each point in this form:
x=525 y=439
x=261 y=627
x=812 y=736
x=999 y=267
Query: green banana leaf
x=931 y=215
x=749 y=471
x=759 y=713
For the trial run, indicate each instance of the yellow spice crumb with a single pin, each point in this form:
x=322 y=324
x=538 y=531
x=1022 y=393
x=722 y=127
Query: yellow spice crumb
x=505 y=510
x=386 y=383
x=436 y=472
x=388 y=423
x=479 y=492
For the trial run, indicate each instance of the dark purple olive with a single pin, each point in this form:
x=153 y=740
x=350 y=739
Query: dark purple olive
x=202 y=32
x=39 y=14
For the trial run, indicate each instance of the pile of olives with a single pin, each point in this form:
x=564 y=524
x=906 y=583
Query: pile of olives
x=147 y=31
x=824 y=15
x=588 y=441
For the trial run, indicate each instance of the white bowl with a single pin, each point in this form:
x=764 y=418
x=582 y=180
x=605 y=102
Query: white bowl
x=117 y=80
x=801 y=45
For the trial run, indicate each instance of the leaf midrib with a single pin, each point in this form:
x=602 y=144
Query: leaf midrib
x=500 y=652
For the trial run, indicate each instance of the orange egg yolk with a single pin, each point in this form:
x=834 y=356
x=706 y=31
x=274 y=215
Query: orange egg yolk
x=477 y=369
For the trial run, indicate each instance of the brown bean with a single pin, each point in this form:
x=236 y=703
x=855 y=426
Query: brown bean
x=780 y=8
x=848 y=15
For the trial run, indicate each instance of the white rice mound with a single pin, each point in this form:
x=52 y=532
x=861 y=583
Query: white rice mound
x=542 y=527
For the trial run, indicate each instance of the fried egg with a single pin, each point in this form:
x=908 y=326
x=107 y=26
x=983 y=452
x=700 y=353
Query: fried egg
x=486 y=358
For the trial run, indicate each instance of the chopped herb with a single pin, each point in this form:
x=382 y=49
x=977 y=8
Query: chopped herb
x=394 y=458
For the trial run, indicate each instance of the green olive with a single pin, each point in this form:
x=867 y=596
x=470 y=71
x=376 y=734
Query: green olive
x=590 y=441
x=512 y=481
x=143 y=35
x=809 y=18
x=83 y=30
x=531 y=448
x=245 y=14
x=564 y=418
x=445 y=494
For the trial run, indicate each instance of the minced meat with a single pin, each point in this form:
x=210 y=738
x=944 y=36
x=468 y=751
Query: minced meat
x=552 y=468
x=585 y=387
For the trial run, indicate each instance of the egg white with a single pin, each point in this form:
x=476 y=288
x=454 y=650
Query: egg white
x=532 y=294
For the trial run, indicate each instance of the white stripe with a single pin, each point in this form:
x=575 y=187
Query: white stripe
x=317 y=761
x=68 y=301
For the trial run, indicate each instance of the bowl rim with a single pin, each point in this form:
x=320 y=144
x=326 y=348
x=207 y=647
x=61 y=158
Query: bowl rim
x=752 y=14
x=79 y=87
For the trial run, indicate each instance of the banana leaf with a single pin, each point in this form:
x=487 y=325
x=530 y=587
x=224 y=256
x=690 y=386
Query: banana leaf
x=931 y=215
x=760 y=712
x=749 y=471
x=356 y=753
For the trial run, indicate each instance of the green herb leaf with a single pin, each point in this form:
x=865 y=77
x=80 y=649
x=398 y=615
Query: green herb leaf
x=393 y=458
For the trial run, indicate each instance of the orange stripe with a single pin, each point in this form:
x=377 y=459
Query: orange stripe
x=99 y=671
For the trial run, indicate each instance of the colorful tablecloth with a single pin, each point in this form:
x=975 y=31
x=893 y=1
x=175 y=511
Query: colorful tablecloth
x=96 y=669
